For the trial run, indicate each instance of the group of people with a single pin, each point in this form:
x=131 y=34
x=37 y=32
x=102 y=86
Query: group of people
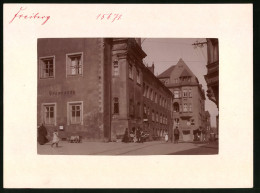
x=137 y=137
x=42 y=136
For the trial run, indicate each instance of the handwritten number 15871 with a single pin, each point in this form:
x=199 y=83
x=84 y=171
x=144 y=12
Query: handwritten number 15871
x=109 y=16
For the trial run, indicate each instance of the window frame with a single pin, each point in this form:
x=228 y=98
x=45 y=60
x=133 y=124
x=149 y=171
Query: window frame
x=118 y=68
x=55 y=113
x=138 y=76
x=130 y=71
x=114 y=103
x=82 y=62
x=185 y=93
x=69 y=104
x=40 y=67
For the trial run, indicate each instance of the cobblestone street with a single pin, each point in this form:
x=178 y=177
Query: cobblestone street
x=113 y=148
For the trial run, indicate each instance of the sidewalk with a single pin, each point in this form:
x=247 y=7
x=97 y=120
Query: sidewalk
x=204 y=149
x=113 y=148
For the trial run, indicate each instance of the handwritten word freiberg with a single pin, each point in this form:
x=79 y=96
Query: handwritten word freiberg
x=110 y=16
x=32 y=16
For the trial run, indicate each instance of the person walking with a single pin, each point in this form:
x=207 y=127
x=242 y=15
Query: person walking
x=55 y=139
x=176 y=135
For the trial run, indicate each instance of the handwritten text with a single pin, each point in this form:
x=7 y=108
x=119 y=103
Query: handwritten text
x=20 y=15
x=110 y=16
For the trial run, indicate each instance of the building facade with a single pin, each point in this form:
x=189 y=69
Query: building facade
x=156 y=106
x=94 y=87
x=188 y=103
x=212 y=76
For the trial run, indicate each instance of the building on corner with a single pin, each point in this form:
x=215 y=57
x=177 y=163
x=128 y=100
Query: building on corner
x=98 y=87
x=188 y=103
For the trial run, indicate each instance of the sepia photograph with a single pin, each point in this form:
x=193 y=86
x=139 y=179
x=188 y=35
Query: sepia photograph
x=127 y=96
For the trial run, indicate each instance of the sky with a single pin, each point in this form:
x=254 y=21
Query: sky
x=166 y=52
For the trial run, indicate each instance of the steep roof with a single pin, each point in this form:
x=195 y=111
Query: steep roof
x=166 y=73
x=185 y=73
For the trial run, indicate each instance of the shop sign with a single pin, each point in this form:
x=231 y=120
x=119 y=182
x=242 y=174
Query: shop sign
x=62 y=93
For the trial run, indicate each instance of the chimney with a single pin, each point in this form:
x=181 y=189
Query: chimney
x=151 y=68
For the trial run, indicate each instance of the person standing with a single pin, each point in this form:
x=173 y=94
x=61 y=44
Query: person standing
x=166 y=137
x=55 y=139
x=176 y=135
x=42 y=133
x=125 y=138
x=138 y=135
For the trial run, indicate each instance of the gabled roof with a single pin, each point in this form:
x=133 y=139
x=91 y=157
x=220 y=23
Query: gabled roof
x=166 y=73
x=185 y=73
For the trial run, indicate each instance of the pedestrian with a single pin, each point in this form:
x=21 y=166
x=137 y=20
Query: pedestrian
x=55 y=139
x=138 y=135
x=166 y=137
x=142 y=136
x=176 y=135
x=125 y=138
x=41 y=135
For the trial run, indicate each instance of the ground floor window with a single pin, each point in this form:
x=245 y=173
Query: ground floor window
x=49 y=113
x=75 y=113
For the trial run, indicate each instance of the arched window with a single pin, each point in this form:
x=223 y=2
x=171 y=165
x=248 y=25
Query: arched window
x=116 y=105
x=176 y=107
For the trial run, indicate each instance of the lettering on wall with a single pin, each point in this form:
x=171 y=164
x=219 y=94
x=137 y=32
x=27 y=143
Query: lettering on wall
x=61 y=93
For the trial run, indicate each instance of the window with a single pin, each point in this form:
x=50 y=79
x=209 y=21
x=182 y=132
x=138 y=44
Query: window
x=116 y=105
x=176 y=80
x=190 y=107
x=157 y=117
x=144 y=109
x=74 y=64
x=152 y=115
x=144 y=90
x=138 y=79
x=176 y=94
x=155 y=96
x=176 y=122
x=185 y=93
x=131 y=107
x=148 y=111
x=151 y=94
x=147 y=93
x=130 y=71
x=190 y=93
x=138 y=110
x=116 y=67
x=49 y=113
x=176 y=107
x=47 y=67
x=185 y=107
x=75 y=110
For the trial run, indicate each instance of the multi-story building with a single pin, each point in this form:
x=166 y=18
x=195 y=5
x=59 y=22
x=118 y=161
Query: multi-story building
x=157 y=105
x=94 y=87
x=212 y=76
x=189 y=99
